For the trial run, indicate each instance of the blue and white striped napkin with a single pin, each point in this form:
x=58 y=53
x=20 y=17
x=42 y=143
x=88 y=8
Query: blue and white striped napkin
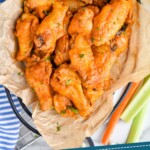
x=9 y=123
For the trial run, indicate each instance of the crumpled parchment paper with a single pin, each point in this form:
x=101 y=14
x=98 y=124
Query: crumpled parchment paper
x=132 y=65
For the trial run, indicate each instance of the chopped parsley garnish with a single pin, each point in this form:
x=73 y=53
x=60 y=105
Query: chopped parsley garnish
x=48 y=58
x=19 y=73
x=58 y=51
x=52 y=108
x=58 y=65
x=32 y=89
x=81 y=55
x=93 y=39
x=63 y=112
x=97 y=28
x=58 y=24
x=46 y=12
x=73 y=110
x=68 y=82
x=102 y=52
x=124 y=32
x=58 y=127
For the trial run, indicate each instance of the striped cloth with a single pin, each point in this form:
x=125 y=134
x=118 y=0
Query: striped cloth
x=9 y=124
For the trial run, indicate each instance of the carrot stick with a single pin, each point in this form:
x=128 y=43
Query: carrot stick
x=116 y=115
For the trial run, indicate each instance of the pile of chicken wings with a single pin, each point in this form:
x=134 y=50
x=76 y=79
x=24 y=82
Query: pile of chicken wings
x=69 y=47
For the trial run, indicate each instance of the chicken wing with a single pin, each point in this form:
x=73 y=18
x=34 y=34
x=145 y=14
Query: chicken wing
x=39 y=7
x=105 y=55
x=38 y=76
x=82 y=60
x=66 y=82
x=109 y=21
x=25 y=30
x=61 y=50
x=121 y=40
x=31 y=61
x=51 y=29
x=95 y=9
x=93 y=94
x=104 y=59
x=73 y=5
x=63 y=106
x=82 y=22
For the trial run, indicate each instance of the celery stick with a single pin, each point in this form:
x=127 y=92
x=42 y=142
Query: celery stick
x=138 y=101
x=137 y=126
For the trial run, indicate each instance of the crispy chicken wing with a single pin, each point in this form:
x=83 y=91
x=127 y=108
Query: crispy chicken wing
x=31 y=61
x=73 y=5
x=51 y=29
x=93 y=94
x=82 y=60
x=121 y=40
x=105 y=55
x=95 y=9
x=104 y=59
x=38 y=76
x=102 y=55
x=25 y=30
x=61 y=50
x=109 y=21
x=63 y=105
x=66 y=82
x=82 y=22
x=40 y=7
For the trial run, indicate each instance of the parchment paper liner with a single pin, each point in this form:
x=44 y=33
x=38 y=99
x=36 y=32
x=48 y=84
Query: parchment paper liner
x=133 y=65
